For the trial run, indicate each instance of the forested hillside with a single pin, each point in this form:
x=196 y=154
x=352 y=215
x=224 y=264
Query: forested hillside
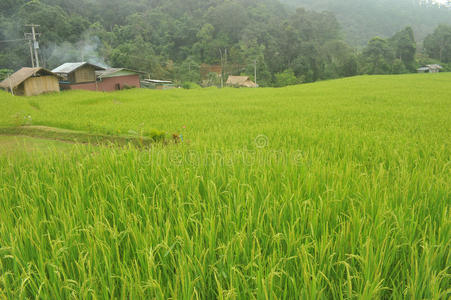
x=364 y=19
x=171 y=39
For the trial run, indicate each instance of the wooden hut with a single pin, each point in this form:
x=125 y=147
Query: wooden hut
x=77 y=75
x=241 y=81
x=31 y=81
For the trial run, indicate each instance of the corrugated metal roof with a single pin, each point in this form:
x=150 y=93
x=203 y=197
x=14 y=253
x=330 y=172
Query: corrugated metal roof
x=71 y=67
x=107 y=72
x=111 y=71
x=430 y=67
x=23 y=74
x=157 y=81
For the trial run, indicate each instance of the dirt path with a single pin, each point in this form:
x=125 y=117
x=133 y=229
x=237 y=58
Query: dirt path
x=75 y=137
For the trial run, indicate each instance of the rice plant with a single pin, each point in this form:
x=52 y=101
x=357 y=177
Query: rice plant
x=332 y=190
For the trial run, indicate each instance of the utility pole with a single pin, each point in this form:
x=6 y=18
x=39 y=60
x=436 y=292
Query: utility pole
x=255 y=71
x=10 y=84
x=33 y=39
x=35 y=45
x=31 y=52
x=222 y=68
x=223 y=65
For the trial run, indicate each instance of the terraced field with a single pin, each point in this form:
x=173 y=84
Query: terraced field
x=337 y=189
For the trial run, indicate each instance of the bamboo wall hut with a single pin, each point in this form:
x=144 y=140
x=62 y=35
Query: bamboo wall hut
x=77 y=73
x=31 y=81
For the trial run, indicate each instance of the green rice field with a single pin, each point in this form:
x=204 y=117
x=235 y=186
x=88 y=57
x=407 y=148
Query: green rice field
x=332 y=190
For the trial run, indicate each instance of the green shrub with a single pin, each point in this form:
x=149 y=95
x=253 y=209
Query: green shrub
x=190 y=85
x=4 y=73
x=286 y=78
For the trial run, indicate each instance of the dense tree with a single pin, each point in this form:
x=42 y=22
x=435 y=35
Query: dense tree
x=395 y=55
x=404 y=46
x=53 y=20
x=378 y=57
x=4 y=73
x=204 y=44
x=188 y=71
x=173 y=38
x=363 y=19
x=339 y=59
x=438 y=44
x=8 y=7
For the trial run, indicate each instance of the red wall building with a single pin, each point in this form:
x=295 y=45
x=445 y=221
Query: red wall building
x=120 y=82
x=107 y=81
x=109 y=84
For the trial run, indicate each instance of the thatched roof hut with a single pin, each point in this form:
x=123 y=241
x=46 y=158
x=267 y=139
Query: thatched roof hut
x=241 y=81
x=31 y=81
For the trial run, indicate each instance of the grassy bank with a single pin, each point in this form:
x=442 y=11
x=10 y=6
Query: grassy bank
x=73 y=136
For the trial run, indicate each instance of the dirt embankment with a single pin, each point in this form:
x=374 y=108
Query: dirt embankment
x=73 y=136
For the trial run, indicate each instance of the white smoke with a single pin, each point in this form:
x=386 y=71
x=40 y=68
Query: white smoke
x=85 y=50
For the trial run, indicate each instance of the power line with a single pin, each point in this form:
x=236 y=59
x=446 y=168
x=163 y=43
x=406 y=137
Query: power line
x=10 y=41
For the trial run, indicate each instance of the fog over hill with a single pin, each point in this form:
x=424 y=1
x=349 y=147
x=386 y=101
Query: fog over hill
x=184 y=40
x=364 y=19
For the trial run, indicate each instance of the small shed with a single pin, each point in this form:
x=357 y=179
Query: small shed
x=114 y=79
x=430 y=69
x=76 y=73
x=158 y=84
x=31 y=81
x=241 y=81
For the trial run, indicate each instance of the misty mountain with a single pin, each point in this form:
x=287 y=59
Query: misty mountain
x=363 y=19
x=184 y=40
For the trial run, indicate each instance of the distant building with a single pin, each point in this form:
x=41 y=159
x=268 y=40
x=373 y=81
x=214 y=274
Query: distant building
x=241 y=81
x=157 y=84
x=205 y=70
x=86 y=76
x=430 y=69
x=31 y=81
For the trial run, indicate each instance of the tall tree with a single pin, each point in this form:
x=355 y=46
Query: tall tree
x=438 y=44
x=404 y=46
x=377 y=57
